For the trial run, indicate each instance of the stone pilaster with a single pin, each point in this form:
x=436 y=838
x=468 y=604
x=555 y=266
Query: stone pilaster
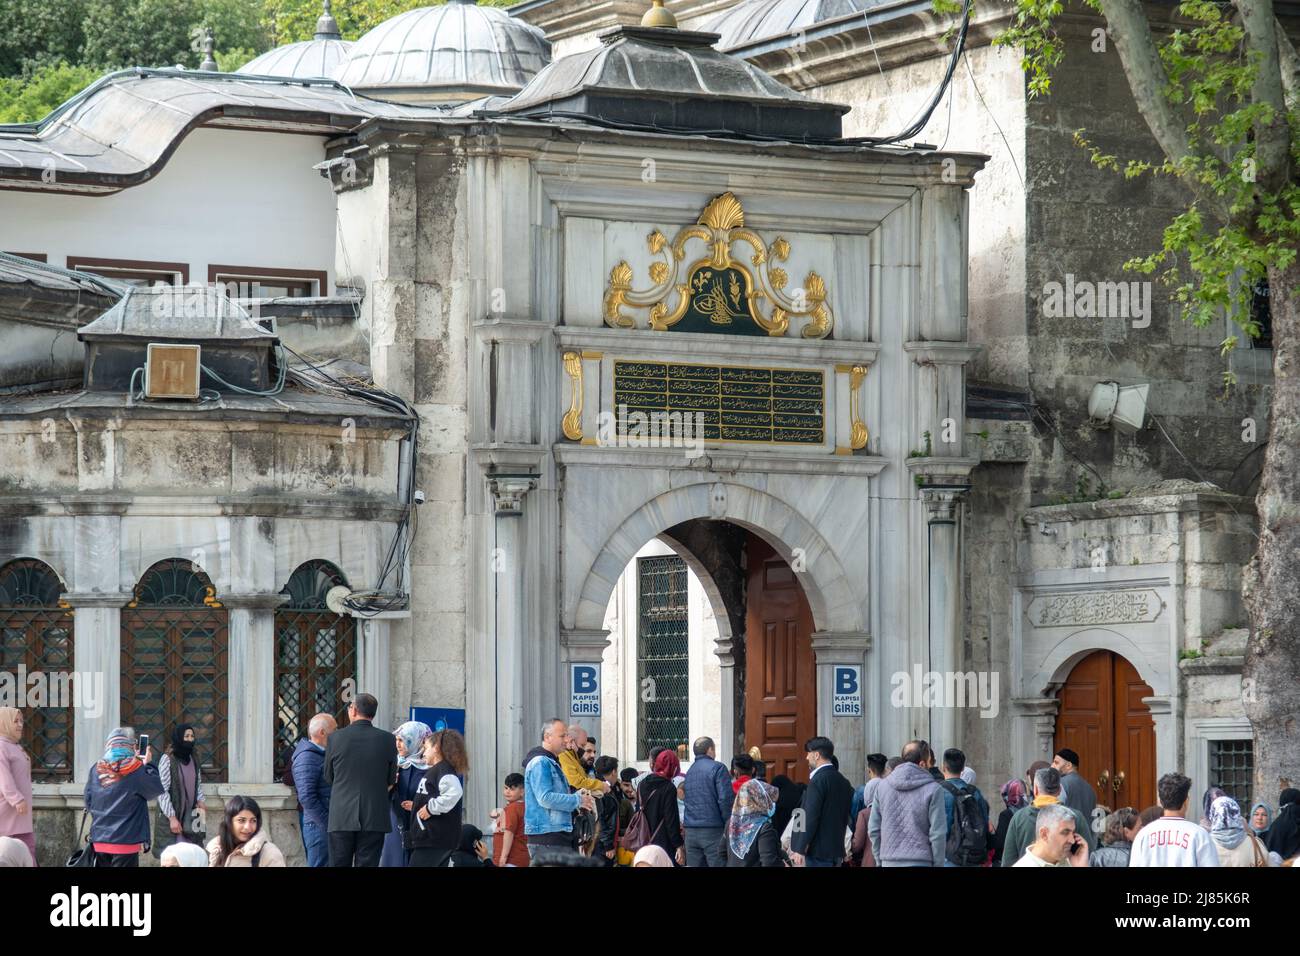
x=250 y=707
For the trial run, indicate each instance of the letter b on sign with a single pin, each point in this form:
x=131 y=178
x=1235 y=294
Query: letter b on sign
x=846 y=680
x=584 y=680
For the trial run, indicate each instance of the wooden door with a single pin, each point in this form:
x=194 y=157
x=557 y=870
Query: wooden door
x=780 y=678
x=1103 y=719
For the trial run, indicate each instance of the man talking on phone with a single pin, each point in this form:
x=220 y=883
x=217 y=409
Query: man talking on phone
x=1058 y=843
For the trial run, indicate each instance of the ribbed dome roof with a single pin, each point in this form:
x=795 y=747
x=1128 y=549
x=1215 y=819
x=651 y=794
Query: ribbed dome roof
x=752 y=20
x=453 y=52
x=305 y=59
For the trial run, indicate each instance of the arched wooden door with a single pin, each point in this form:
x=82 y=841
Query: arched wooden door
x=780 y=677
x=1103 y=719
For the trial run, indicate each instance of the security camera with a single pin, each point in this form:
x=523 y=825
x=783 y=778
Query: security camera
x=419 y=497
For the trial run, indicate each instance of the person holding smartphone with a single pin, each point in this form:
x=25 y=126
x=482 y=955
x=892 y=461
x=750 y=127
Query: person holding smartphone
x=117 y=796
x=1058 y=843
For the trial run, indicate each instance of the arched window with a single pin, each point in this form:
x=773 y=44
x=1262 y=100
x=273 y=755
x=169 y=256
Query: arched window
x=36 y=664
x=315 y=654
x=174 y=660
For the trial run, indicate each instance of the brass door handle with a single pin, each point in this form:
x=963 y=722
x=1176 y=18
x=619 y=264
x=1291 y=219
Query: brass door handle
x=1103 y=781
x=1118 y=782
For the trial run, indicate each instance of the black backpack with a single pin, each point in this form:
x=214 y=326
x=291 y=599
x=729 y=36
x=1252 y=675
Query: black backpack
x=968 y=840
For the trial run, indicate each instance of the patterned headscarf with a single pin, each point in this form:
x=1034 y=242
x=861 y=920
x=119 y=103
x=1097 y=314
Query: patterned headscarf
x=1013 y=795
x=754 y=805
x=667 y=765
x=413 y=734
x=1226 y=825
x=119 y=758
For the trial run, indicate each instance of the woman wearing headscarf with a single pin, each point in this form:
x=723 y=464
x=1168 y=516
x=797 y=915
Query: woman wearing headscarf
x=1013 y=799
x=1236 y=846
x=182 y=794
x=118 y=790
x=658 y=799
x=1261 y=819
x=187 y=855
x=789 y=796
x=242 y=842
x=749 y=837
x=410 y=769
x=1284 y=835
x=1211 y=794
x=651 y=855
x=15 y=781
x=14 y=853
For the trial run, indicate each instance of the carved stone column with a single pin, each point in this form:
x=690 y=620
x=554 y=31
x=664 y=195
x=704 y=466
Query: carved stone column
x=250 y=707
x=944 y=639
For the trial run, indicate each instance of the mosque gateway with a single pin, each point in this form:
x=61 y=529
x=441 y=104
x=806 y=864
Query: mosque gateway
x=546 y=362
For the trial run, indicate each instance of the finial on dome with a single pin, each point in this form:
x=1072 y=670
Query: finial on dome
x=327 y=28
x=209 y=62
x=657 y=16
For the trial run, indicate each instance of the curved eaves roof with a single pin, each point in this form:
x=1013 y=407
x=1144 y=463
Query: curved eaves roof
x=121 y=130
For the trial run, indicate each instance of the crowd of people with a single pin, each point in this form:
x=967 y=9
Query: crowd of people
x=368 y=797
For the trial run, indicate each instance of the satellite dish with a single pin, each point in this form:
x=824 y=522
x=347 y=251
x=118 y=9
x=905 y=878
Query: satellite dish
x=335 y=597
x=1124 y=406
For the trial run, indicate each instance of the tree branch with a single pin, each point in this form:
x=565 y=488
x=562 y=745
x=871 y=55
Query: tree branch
x=1148 y=80
x=1289 y=61
x=1272 y=139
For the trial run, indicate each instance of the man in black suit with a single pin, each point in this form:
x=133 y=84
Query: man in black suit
x=819 y=841
x=361 y=767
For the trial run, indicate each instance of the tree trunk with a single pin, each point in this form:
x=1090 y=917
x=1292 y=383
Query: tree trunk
x=1271 y=583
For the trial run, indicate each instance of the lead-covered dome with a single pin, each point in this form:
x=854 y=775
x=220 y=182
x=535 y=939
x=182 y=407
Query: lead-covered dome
x=307 y=59
x=444 y=54
x=752 y=20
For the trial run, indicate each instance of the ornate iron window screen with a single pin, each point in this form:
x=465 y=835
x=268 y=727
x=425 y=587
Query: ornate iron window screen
x=315 y=657
x=663 y=654
x=36 y=648
x=175 y=660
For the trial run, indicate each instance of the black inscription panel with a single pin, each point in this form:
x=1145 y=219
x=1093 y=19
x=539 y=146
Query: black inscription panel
x=773 y=405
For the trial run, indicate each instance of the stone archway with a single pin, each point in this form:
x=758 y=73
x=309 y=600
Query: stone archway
x=834 y=601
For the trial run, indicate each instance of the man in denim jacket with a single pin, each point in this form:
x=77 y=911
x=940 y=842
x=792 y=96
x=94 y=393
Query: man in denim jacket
x=548 y=804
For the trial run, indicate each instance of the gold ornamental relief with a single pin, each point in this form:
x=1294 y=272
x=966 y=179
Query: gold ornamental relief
x=719 y=291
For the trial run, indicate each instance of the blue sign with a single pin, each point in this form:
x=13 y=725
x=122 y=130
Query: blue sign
x=847 y=697
x=584 y=697
x=440 y=718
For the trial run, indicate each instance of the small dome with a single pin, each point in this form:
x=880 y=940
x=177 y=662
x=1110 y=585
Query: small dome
x=752 y=20
x=450 y=53
x=306 y=59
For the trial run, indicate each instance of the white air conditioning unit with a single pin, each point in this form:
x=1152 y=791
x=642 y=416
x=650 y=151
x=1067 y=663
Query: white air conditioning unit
x=172 y=371
x=1124 y=406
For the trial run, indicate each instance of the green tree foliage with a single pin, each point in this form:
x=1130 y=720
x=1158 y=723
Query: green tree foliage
x=1215 y=99
x=292 y=20
x=123 y=33
x=39 y=32
x=25 y=101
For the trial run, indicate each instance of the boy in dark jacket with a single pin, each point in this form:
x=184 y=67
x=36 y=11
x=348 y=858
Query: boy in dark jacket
x=607 y=808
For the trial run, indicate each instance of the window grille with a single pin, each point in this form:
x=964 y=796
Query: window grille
x=663 y=656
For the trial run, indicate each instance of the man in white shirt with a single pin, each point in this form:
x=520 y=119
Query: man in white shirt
x=1173 y=840
x=1058 y=844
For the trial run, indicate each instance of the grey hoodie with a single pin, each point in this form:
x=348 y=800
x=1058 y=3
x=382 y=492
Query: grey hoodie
x=909 y=823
